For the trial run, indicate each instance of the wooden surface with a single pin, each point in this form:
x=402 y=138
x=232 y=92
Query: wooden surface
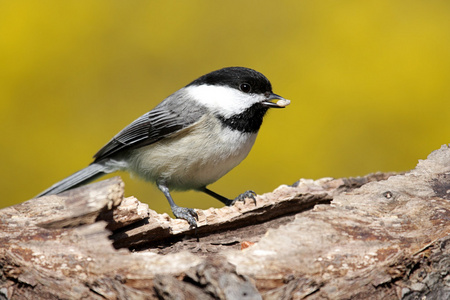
x=382 y=236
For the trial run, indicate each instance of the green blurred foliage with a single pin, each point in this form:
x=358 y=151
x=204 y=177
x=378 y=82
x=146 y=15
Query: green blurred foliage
x=368 y=80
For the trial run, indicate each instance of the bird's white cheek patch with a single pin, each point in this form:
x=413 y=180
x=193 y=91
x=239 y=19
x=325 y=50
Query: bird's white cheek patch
x=222 y=99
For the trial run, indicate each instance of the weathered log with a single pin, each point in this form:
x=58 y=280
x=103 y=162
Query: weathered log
x=382 y=236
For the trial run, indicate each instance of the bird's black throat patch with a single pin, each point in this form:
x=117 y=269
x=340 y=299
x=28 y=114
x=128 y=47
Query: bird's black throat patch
x=249 y=120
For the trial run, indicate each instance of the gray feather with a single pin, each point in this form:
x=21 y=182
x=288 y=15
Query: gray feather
x=171 y=115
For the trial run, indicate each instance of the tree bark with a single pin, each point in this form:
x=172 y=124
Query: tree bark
x=381 y=236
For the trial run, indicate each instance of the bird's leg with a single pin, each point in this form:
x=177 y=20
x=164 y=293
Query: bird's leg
x=188 y=214
x=229 y=202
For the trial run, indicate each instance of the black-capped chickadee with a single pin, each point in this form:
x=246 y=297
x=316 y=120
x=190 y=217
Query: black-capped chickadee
x=189 y=140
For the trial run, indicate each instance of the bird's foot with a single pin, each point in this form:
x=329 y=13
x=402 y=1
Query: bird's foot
x=243 y=196
x=187 y=214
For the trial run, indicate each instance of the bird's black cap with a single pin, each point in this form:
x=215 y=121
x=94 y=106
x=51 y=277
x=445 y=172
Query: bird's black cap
x=236 y=77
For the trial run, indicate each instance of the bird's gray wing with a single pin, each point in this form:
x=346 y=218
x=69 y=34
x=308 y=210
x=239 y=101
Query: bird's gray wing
x=168 y=117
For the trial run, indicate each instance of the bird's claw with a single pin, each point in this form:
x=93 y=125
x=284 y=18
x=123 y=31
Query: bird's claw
x=187 y=214
x=243 y=196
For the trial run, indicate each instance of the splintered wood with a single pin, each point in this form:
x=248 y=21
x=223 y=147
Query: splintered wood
x=382 y=236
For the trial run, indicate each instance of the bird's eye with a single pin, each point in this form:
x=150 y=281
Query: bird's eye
x=245 y=87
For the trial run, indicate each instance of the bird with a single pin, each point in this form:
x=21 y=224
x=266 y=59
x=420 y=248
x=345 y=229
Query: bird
x=190 y=139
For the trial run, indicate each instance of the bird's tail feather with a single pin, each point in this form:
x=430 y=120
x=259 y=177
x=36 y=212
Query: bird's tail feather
x=81 y=177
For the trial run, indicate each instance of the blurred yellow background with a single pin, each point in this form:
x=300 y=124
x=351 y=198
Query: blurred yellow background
x=369 y=83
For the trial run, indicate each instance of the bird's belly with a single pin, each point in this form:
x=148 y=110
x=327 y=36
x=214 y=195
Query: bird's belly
x=193 y=159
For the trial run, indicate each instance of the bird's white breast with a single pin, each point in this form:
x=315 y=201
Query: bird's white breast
x=194 y=157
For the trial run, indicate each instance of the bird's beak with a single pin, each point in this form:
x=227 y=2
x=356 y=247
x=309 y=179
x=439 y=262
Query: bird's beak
x=281 y=103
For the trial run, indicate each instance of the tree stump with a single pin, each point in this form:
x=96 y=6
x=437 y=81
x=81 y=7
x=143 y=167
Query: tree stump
x=382 y=236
